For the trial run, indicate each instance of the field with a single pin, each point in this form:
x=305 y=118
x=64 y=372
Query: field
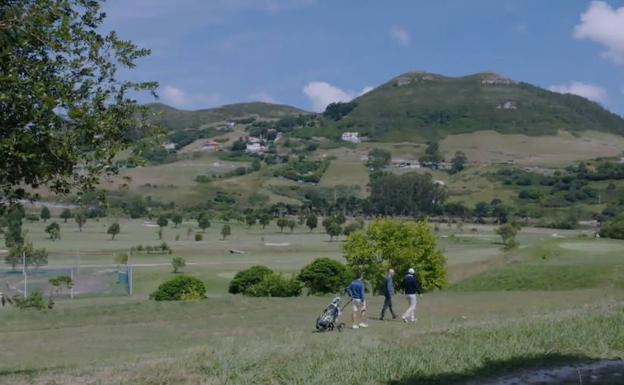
x=557 y=299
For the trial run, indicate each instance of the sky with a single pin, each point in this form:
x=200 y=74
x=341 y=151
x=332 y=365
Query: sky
x=309 y=53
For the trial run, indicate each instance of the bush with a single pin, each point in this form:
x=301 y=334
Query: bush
x=614 y=229
x=246 y=278
x=180 y=288
x=325 y=275
x=275 y=285
x=178 y=263
x=34 y=301
x=198 y=237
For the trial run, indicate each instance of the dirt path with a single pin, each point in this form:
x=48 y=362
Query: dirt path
x=604 y=372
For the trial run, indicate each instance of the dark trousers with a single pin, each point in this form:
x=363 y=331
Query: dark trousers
x=387 y=306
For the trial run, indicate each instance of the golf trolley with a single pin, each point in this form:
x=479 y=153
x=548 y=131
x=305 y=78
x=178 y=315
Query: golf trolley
x=327 y=321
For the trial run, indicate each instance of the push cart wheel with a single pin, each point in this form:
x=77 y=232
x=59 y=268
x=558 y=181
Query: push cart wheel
x=340 y=326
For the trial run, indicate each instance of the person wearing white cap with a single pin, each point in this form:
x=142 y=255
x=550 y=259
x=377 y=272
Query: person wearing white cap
x=412 y=287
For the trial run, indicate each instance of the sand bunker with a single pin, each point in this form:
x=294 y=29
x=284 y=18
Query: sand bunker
x=277 y=244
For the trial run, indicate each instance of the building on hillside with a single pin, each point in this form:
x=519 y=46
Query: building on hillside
x=255 y=148
x=405 y=163
x=353 y=137
x=169 y=146
x=210 y=145
x=230 y=124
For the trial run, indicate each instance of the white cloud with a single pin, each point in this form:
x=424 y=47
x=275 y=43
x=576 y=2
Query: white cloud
x=400 y=36
x=179 y=98
x=262 y=96
x=322 y=93
x=604 y=25
x=175 y=96
x=586 y=90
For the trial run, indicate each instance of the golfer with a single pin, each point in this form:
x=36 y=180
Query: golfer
x=356 y=292
x=388 y=292
x=412 y=287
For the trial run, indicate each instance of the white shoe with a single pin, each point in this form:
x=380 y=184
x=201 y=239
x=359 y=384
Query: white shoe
x=404 y=319
x=363 y=325
x=355 y=327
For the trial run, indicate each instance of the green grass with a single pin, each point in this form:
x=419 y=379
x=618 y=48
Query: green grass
x=217 y=352
x=461 y=333
x=555 y=265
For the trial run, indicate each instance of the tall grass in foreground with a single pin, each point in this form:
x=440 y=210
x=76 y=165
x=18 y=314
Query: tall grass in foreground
x=393 y=358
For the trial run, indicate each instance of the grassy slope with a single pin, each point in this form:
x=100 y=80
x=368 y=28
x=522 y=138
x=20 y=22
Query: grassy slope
x=420 y=105
x=174 y=119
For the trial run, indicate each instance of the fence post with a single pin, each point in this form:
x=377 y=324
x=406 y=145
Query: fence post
x=129 y=279
x=25 y=275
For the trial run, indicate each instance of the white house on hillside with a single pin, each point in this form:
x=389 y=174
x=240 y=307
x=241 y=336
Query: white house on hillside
x=353 y=137
x=255 y=148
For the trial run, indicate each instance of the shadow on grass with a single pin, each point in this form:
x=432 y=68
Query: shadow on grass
x=497 y=368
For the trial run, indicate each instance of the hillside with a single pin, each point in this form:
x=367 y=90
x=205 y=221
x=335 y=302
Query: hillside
x=420 y=105
x=173 y=119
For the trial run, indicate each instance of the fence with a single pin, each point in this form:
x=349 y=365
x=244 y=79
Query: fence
x=87 y=280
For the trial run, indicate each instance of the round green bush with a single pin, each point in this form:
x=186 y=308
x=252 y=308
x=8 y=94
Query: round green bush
x=613 y=229
x=180 y=288
x=275 y=285
x=325 y=275
x=246 y=278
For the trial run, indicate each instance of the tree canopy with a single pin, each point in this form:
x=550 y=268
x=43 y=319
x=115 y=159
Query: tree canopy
x=389 y=243
x=64 y=113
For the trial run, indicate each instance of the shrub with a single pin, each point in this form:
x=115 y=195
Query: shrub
x=178 y=263
x=275 y=285
x=180 y=288
x=325 y=275
x=198 y=237
x=613 y=229
x=246 y=278
x=34 y=301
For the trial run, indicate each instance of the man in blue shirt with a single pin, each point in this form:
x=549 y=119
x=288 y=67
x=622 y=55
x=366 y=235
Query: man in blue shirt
x=356 y=291
x=388 y=292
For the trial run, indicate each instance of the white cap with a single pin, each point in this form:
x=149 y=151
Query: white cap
x=410 y=271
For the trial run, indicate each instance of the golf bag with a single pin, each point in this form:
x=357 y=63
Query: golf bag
x=329 y=317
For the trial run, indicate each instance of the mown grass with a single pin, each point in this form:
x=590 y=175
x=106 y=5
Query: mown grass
x=555 y=265
x=394 y=356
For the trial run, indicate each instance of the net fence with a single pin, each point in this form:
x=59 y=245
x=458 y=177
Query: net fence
x=87 y=281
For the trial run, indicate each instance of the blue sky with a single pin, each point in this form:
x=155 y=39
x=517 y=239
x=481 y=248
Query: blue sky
x=308 y=53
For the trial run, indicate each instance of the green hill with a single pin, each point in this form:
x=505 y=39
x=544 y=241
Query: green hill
x=173 y=119
x=421 y=105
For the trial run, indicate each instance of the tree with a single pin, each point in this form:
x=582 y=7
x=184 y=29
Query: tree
x=432 y=156
x=54 y=230
x=33 y=257
x=81 y=219
x=378 y=159
x=162 y=221
x=203 y=222
x=113 y=230
x=65 y=214
x=458 y=162
x=264 y=219
x=177 y=263
x=400 y=245
x=45 y=214
x=311 y=222
x=189 y=232
x=291 y=225
x=14 y=235
x=63 y=106
x=281 y=223
x=177 y=218
x=338 y=110
x=325 y=275
x=613 y=229
x=250 y=219
x=508 y=233
x=121 y=259
x=255 y=164
x=226 y=230
x=333 y=230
